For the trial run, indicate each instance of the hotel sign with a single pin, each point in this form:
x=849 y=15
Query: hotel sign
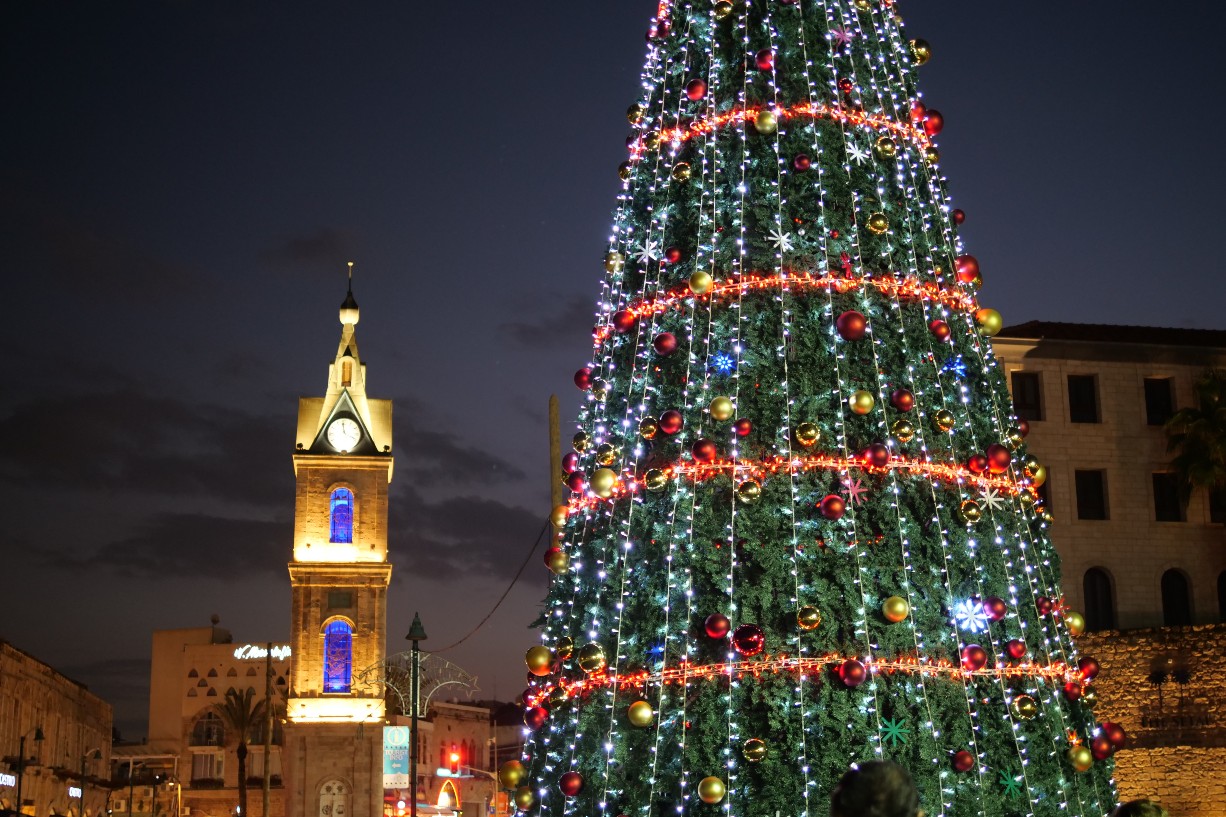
x=250 y=652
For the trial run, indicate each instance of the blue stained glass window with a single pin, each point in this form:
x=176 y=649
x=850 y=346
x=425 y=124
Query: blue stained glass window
x=342 y=515
x=338 y=656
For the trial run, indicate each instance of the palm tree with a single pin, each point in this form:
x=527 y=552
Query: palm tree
x=241 y=713
x=1197 y=435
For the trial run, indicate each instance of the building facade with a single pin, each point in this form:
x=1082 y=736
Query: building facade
x=55 y=740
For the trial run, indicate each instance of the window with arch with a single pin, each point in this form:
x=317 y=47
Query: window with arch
x=342 y=515
x=209 y=731
x=1099 y=600
x=1176 y=599
x=338 y=656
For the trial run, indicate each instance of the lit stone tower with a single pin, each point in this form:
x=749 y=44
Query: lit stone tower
x=339 y=577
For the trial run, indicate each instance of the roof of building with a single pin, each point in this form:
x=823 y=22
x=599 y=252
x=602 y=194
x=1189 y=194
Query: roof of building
x=1112 y=333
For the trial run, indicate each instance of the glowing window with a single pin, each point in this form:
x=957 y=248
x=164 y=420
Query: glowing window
x=338 y=656
x=342 y=515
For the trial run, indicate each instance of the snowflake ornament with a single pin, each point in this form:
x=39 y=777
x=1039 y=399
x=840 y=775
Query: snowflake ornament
x=649 y=251
x=841 y=36
x=855 y=491
x=894 y=732
x=992 y=498
x=857 y=154
x=781 y=240
x=723 y=363
x=969 y=616
x=955 y=366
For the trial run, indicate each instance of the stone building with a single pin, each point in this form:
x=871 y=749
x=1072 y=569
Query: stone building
x=1147 y=570
x=55 y=740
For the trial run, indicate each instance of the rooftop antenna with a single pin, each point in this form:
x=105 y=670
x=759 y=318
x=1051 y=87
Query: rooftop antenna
x=350 y=277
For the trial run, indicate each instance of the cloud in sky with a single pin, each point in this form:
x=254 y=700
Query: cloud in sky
x=325 y=244
x=575 y=317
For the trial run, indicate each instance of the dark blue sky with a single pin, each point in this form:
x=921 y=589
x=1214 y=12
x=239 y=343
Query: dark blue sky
x=181 y=184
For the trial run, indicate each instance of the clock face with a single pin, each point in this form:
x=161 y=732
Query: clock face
x=343 y=434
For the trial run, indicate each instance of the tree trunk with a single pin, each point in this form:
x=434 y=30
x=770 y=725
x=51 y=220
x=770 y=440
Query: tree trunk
x=242 y=778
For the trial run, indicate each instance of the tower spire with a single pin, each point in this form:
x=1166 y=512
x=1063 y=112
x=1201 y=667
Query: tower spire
x=349 y=309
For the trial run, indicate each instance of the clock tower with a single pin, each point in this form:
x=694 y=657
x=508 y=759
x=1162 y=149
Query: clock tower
x=339 y=577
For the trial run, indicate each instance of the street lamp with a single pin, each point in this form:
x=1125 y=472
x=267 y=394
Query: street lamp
x=21 y=760
x=95 y=754
x=417 y=634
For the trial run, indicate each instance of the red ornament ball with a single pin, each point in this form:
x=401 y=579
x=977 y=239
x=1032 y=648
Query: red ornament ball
x=1016 y=648
x=1089 y=668
x=659 y=30
x=571 y=783
x=918 y=111
x=1023 y=426
x=717 y=625
x=852 y=673
x=1101 y=747
x=902 y=399
x=974 y=657
x=1072 y=691
x=671 y=421
x=704 y=450
x=696 y=89
x=995 y=608
x=1116 y=734
x=999 y=458
x=672 y=255
x=851 y=325
x=570 y=463
x=535 y=717
x=624 y=320
x=802 y=162
x=583 y=378
x=665 y=343
x=742 y=427
x=958 y=216
x=576 y=481
x=833 y=506
x=765 y=59
x=934 y=123
x=846 y=85
x=966 y=268
x=1044 y=605
x=977 y=463
x=748 y=639
x=940 y=330
x=963 y=761
x=877 y=455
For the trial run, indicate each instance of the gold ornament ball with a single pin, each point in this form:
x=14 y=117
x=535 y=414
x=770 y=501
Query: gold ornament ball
x=711 y=790
x=655 y=479
x=932 y=156
x=1024 y=708
x=558 y=697
x=1026 y=498
x=808 y=618
x=624 y=171
x=558 y=516
x=603 y=482
x=1046 y=516
x=591 y=657
x=559 y=562
x=944 y=419
x=606 y=454
x=861 y=402
x=754 y=750
x=722 y=409
x=1030 y=464
x=580 y=442
x=722 y=9
x=640 y=714
x=886 y=147
x=1089 y=696
x=895 y=609
x=634 y=114
x=970 y=511
x=1081 y=758
x=749 y=492
x=681 y=172
x=863 y=5
x=878 y=223
x=807 y=434
x=989 y=320
x=1076 y=622
x=524 y=798
x=614 y=261
x=600 y=389
x=649 y=427
x=700 y=282
x=766 y=122
x=511 y=774
x=1039 y=476
x=565 y=648
x=539 y=659
x=903 y=430
x=1013 y=439
x=921 y=52
x=651 y=140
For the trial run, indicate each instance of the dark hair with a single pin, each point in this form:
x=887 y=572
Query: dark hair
x=1139 y=808
x=876 y=789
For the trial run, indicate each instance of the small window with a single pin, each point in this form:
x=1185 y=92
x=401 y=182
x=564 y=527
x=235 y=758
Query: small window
x=342 y=515
x=1044 y=492
x=1159 y=400
x=232 y=673
x=1091 y=494
x=340 y=599
x=1027 y=397
x=213 y=673
x=1099 y=600
x=1176 y=599
x=1221 y=597
x=1168 y=507
x=1217 y=506
x=1082 y=398
x=251 y=671
x=338 y=656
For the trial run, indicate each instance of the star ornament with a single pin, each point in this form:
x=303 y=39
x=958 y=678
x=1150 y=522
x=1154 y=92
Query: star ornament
x=894 y=732
x=781 y=240
x=723 y=363
x=955 y=366
x=855 y=491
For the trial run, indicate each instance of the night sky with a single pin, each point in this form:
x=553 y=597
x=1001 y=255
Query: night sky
x=181 y=184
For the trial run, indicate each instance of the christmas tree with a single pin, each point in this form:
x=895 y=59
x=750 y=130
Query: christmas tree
x=804 y=528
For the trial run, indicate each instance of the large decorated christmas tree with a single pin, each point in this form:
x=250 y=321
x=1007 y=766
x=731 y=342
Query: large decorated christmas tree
x=804 y=528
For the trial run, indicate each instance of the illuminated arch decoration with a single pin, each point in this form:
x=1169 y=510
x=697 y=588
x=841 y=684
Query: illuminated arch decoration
x=341 y=516
x=338 y=656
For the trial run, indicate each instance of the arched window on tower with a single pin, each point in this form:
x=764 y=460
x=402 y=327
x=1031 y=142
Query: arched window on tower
x=1099 y=600
x=342 y=516
x=338 y=656
x=1176 y=599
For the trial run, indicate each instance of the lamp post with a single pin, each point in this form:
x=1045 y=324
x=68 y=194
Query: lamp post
x=417 y=634
x=21 y=760
x=95 y=754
